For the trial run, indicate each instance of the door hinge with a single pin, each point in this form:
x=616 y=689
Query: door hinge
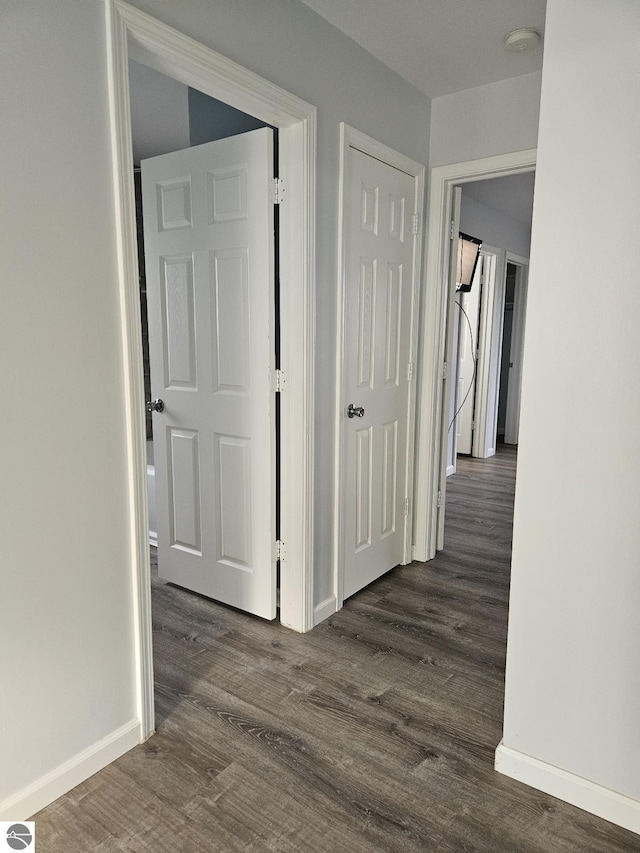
x=279 y=551
x=444 y=370
x=410 y=371
x=416 y=223
x=406 y=506
x=439 y=500
x=473 y=425
x=278 y=381
x=278 y=191
x=452 y=228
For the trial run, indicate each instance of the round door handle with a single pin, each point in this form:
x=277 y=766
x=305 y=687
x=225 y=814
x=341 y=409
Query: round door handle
x=355 y=411
x=155 y=406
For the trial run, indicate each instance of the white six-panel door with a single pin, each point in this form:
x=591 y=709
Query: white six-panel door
x=379 y=270
x=209 y=250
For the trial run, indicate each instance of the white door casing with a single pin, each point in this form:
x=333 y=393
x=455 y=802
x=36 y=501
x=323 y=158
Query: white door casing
x=379 y=275
x=209 y=257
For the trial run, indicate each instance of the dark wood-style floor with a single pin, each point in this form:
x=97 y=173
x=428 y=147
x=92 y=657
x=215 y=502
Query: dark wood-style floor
x=374 y=732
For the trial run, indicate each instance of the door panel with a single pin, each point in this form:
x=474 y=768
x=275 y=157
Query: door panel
x=178 y=319
x=378 y=303
x=185 y=508
x=209 y=248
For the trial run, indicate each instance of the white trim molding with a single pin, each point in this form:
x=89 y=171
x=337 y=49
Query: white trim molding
x=26 y=802
x=435 y=310
x=352 y=138
x=132 y=33
x=593 y=798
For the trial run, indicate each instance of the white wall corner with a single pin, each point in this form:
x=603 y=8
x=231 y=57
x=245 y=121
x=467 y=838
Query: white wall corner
x=26 y=802
x=596 y=799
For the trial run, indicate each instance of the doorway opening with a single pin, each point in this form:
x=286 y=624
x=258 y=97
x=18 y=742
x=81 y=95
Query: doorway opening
x=499 y=211
x=436 y=373
x=208 y=250
x=134 y=35
x=486 y=347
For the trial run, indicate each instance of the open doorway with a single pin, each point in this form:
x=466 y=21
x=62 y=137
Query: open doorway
x=207 y=248
x=488 y=327
x=488 y=333
x=133 y=35
x=438 y=374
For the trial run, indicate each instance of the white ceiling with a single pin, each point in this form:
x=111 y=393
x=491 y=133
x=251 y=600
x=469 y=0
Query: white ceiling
x=440 y=46
x=511 y=195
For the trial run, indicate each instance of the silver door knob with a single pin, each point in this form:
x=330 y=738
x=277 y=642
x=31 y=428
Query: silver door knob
x=155 y=406
x=355 y=411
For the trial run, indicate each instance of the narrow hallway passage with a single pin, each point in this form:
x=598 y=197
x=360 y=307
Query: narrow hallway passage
x=374 y=732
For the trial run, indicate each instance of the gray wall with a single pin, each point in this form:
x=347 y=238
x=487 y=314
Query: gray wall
x=67 y=625
x=210 y=119
x=159 y=113
x=573 y=677
x=494 y=119
x=493 y=228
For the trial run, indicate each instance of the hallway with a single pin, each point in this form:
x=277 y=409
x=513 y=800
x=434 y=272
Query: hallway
x=374 y=732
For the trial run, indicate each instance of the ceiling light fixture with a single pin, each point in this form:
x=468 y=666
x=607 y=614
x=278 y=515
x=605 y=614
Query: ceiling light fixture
x=523 y=39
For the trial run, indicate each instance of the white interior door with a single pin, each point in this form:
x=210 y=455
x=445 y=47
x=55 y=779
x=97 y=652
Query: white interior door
x=209 y=250
x=467 y=357
x=379 y=287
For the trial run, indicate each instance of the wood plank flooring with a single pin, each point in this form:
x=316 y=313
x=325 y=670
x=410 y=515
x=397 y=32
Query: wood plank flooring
x=374 y=732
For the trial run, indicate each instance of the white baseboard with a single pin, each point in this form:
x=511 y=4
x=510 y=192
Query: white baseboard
x=153 y=539
x=325 y=609
x=603 y=802
x=25 y=803
x=451 y=469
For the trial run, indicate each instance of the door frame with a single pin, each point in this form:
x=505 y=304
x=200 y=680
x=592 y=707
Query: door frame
x=435 y=310
x=352 y=138
x=136 y=35
x=512 y=421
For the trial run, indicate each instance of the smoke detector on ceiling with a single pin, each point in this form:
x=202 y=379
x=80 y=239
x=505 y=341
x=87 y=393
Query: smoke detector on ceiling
x=522 y=40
